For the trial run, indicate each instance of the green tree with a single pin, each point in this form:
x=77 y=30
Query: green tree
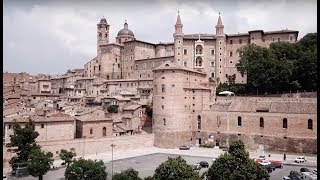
x=23 y=138
x=112 y=109
x=148 y=178
x=39 y=162
x=67 y=156
x=86 y=170
x=236 y=165
x=127 y=174
x=175 y=169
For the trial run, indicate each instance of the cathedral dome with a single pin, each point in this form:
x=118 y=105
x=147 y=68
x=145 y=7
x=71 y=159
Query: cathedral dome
x=125 y=31
x=103 y=21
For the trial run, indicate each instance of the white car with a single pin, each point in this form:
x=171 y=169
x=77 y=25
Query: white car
x=265 y=162
x=300 y=159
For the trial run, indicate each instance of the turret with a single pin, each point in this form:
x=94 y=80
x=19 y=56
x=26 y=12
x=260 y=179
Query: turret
x=178 y=41
x=102 y=34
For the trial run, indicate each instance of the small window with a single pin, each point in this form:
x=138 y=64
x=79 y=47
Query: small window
x=261 y=122
x=252 y=37
x=310 y=124
x=220 y=42
x=231 y=42
x=164 y=121
x=9 y=126
x=185 y=52
x=199 y=122
x=240 y=41
x=162 y=106
x=212 y=74
x=42 y=125
x=230 y=53
x=185 y=63
x=278 y=39
x=212 y=64
x=212 y=52
x=285 y=123
x=91 y=131
x=290 y=38
x=239 y=121
x=220 y=60
x=163 y=88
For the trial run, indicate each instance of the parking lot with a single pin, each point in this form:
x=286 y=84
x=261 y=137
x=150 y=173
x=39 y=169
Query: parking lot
x=146 y=165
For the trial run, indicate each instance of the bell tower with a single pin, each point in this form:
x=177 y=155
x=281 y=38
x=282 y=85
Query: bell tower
x=102 y=34
x=178 y=41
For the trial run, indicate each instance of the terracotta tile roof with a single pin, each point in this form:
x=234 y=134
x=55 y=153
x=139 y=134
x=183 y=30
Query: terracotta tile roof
x=60 y=117
x=132 y=107
x=168 y=65
x=98 y=115
x=11 y=111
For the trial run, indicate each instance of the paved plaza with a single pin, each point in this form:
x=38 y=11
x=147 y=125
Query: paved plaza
x=146 y=160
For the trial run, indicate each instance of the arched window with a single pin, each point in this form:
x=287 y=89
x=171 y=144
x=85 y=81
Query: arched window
x=104 y=131
x=108 y=77
x=118 y=65
x=91 y=130
x=239 y=121
x=164 y=121
x=284 y=123
x=199 y=61
x=310 y=125
x=198 y=49
x=199 y=122
x=261 y=122
x=100 y=34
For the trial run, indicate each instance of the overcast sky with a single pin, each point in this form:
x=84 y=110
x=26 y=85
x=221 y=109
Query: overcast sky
x=54 y=36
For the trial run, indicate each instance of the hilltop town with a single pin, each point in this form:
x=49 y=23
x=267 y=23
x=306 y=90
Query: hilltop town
x=166 y=90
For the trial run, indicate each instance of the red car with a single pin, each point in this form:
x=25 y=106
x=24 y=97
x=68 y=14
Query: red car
x=277 y=164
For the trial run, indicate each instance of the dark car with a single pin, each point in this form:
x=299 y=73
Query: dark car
x=295 y=175
x=304 y=170
x=277 y=165
x=270 y=168
x=184 y=147
x=196 y=167
x=204 y=164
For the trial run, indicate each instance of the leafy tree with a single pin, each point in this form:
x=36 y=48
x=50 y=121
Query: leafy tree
x=148 y=178
x=112 y=109
x=175 y=169
x=23 y=138
x=127 y=174
x=39 y=162
x=236 y=165
x=67 y=156
x=86 y=169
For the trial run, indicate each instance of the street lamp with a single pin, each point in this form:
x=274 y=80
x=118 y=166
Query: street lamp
x=112 y=146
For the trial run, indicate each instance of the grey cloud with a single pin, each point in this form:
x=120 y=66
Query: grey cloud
x=53 y=36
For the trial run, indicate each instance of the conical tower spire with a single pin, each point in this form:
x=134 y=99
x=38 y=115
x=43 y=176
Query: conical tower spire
x=219 y=20
x=178 y=19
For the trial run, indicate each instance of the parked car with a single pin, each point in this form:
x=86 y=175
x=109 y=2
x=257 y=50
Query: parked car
x=204 y=164
x=269 y=168
x=295 y=175
x=262 y=157
x=5 y=177
x=300 y=159
x=184 y=147
x=196 y=167
x=265 y=162
x=304 y=170
x=285 y=178
x=277 y=164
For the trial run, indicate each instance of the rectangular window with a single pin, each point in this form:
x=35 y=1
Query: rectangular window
x=212 y=74
x=239 y=121
x=230 y=53
x=136 y=66
x=212 y=64
x=163 y=89
x=185 y=63
x=285 y=123
x=261 y=122
x=231 y=42
x=9 y=126
x=185 y=52
x=42 y=125
x=240 y=41
x=212 y=52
